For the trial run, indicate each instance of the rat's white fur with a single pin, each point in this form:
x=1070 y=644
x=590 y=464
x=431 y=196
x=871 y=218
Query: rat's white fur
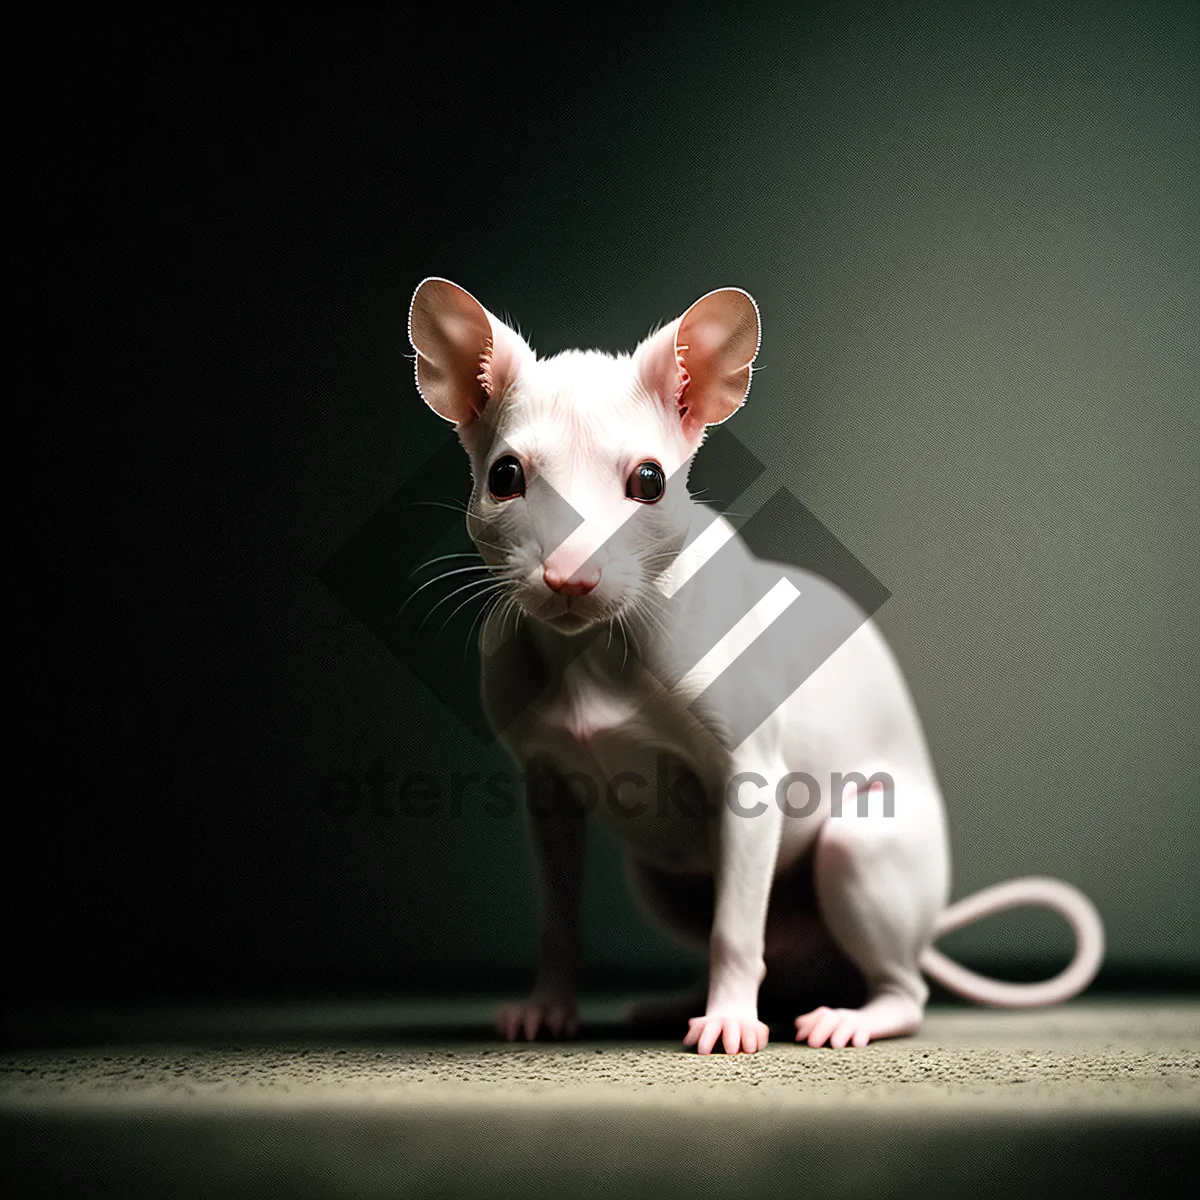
x=579 y=423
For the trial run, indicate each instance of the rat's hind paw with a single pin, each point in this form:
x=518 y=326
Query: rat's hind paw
x=559 y=1018
x=884 y=1016
x=837 y=1026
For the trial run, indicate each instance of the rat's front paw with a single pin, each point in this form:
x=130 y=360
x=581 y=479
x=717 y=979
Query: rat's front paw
x=741 y=1030
x=558 y=1016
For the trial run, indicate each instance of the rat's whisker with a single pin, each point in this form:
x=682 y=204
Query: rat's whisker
x=441 y=558
x=508 y=604
x=480 y=619
x=641 y=608
x=654 y=615
x=514 y=606
x=625 y=639
x=479 y=586
x=490 y=545
x=469 y=600
x=458 y=508
x=716 y=505
x=437 y=578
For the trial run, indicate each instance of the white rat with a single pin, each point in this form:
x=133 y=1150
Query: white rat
x=581 y=512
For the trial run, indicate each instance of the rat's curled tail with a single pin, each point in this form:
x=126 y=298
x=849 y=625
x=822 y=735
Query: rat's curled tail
x=1079 y=911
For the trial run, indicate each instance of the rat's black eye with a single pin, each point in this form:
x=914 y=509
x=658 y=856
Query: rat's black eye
x=506 y=479
x=647 y=483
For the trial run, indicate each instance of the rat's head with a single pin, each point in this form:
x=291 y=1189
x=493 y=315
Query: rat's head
x=580 y=461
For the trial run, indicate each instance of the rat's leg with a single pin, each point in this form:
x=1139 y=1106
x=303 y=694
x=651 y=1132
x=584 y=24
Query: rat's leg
x=881 y=882
x=746 y=847
x=557 y=831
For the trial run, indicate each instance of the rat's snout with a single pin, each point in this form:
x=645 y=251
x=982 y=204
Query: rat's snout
x=573 y=569
x=577 y=583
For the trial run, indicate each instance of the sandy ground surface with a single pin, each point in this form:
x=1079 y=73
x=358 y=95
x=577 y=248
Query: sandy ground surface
x=393 y=1099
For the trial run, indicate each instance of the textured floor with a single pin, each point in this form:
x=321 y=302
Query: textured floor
x=401 y=1100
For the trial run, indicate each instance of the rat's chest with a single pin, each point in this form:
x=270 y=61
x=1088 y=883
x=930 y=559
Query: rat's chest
x=622 y=757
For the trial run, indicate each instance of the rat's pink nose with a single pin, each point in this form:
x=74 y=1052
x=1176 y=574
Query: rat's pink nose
x=578 y=583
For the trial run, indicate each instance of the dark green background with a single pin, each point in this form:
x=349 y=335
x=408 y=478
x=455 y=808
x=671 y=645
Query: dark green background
x=972 y=236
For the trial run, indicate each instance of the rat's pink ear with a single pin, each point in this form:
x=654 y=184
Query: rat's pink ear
x=702 y=362
x=465 y=356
